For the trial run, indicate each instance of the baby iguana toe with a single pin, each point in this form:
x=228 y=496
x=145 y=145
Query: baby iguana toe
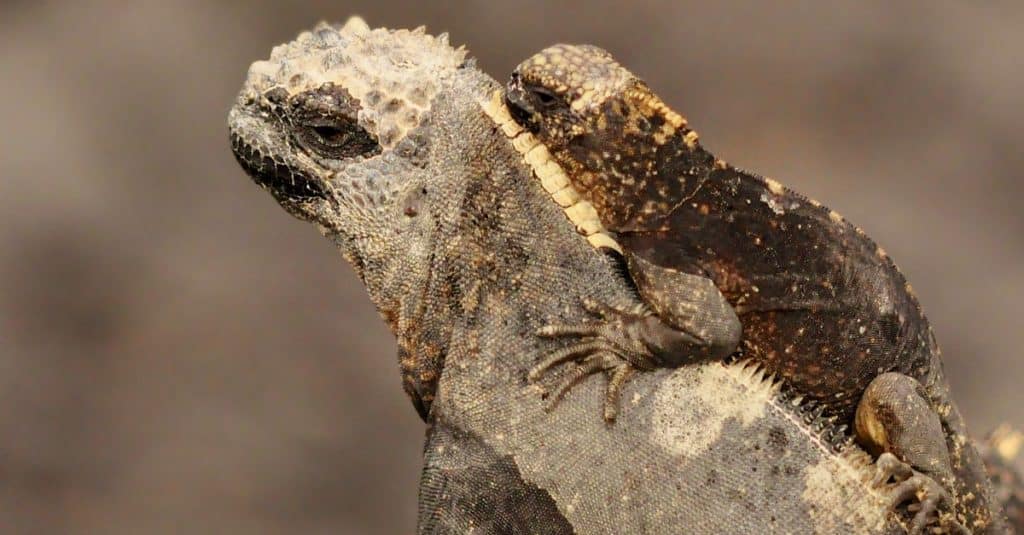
x=618 y=342
x=688 y=320
x=924 y=495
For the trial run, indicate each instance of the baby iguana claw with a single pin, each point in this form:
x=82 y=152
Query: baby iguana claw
x=911 y=485
x=619 y=343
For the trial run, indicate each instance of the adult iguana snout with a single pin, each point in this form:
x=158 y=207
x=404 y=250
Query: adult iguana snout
x=327 y=125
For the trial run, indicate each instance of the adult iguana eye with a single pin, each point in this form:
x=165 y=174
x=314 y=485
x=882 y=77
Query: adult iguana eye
x=337 y=140
x=330 y=135
x=323 y=121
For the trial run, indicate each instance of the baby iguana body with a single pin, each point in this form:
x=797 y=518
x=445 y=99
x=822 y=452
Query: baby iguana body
x=819 y=303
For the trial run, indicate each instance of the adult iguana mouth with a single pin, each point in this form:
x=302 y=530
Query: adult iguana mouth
x=551 y=176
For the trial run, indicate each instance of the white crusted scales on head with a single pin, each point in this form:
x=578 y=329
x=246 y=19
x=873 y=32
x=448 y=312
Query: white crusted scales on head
x=393 y=73
x=551 y=175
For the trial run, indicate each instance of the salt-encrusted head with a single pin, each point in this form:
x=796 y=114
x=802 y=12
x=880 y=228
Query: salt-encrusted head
x=314 y=123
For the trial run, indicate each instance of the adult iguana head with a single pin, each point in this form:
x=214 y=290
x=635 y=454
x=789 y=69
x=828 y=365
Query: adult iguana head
x=403 y=155
x=331 y=125
x=336 y=125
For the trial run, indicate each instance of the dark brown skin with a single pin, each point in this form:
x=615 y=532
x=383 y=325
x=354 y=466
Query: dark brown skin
x=820 y=304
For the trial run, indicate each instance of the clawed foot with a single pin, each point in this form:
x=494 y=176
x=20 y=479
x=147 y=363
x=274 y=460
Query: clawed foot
x=613 y=345
x=926 y=494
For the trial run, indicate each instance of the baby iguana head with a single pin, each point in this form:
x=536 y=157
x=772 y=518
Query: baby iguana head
x=622 y=148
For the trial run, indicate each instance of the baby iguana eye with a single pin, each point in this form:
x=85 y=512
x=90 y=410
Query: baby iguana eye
x=544 y=96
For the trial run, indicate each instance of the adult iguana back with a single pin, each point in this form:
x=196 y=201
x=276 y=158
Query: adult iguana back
x=820 y=304
x=401 y=153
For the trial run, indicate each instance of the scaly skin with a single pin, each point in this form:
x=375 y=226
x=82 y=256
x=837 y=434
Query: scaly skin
x=392 y=145
x=820 y=304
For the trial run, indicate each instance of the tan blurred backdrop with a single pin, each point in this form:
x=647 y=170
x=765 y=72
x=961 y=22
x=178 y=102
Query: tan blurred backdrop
x=180 y=356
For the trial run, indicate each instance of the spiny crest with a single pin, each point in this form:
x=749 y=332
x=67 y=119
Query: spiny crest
x=353 y=52
x=752 y=373
x=813 y=414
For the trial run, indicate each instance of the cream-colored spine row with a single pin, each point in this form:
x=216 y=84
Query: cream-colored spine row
x=552 y=178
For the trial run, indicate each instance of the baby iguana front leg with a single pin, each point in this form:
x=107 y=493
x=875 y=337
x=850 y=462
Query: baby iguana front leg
x=688 y=320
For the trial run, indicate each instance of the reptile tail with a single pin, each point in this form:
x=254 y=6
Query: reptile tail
x=1003 y=453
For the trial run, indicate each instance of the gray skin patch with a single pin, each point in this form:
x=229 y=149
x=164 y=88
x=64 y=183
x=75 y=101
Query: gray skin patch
x=722 y=388
x=450 y=501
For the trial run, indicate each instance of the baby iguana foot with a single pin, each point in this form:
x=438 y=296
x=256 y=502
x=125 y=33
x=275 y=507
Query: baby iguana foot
x=923 y=493
x=619 y=343
x=896 y=421
x=600 y=361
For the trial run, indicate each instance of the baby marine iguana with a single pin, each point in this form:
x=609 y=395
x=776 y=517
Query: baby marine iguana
x=712 y=248
x=401 y=152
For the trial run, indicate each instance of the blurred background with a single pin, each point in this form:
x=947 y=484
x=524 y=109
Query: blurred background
x=178 y=355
